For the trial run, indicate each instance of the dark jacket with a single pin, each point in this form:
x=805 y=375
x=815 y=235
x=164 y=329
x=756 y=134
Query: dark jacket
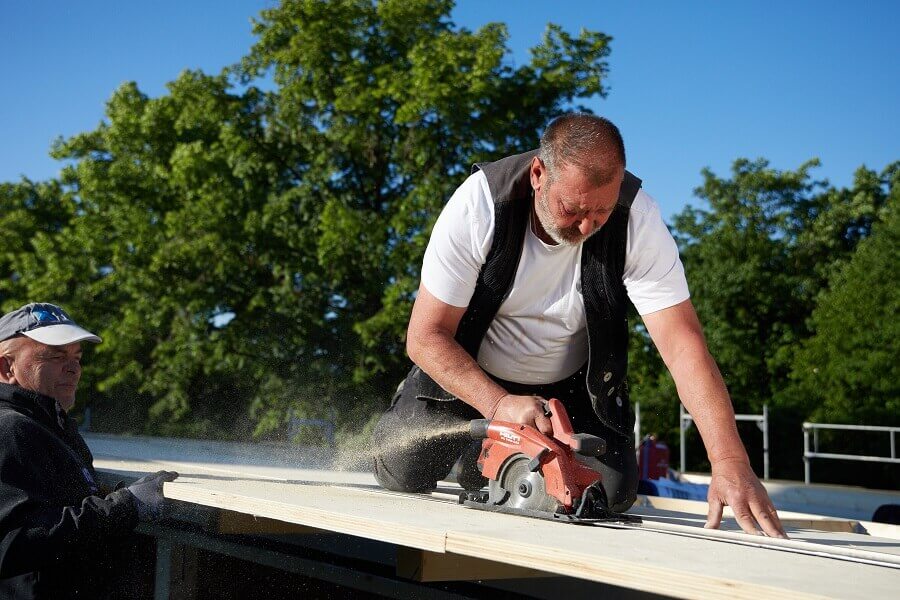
x=58 y=537
x=602 y=268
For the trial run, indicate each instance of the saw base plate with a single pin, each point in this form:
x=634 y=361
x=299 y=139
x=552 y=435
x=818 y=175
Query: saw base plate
x=479 y=500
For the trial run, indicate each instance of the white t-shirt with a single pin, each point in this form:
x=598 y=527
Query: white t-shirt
x=539 y=334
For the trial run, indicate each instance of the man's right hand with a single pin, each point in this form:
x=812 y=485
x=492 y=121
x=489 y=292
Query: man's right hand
x=527 y=410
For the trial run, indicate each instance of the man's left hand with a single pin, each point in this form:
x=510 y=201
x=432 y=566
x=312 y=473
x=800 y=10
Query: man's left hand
x=734 y=483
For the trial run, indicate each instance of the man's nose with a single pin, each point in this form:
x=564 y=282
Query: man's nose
x=73 y=366
x=589 y=226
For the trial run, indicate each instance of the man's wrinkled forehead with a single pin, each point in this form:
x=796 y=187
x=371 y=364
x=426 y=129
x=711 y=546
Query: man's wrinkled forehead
x=576 y=190
x=50 y=350
x=575 y=205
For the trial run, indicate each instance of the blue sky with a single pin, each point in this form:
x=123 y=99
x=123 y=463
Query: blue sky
x=691 y=84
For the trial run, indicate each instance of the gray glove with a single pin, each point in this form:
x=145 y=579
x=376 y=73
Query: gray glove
x=147 y=492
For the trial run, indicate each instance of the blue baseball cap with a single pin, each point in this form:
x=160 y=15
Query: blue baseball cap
x=44 y=323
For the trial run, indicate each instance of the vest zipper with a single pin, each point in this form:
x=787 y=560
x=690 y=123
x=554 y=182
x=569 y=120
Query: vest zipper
x=587 y=371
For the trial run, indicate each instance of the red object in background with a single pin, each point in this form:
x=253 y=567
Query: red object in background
x=653 y=459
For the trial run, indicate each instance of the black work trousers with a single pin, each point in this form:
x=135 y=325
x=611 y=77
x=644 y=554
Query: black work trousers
x=418 y=440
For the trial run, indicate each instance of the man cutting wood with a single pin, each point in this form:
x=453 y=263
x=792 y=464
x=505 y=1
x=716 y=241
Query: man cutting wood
x=524 y=292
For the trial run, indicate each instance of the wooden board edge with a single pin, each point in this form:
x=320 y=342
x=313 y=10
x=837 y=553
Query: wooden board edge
x=882 y=530
x=425 y=566
x=667 y=582
x=238 y=523
x=788 y=518
x=417 y=537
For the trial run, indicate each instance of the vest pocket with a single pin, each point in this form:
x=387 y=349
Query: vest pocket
x=609 y=396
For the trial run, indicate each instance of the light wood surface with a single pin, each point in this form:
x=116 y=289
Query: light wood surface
x=795 y=520
x=664 y=563
x=847 y=501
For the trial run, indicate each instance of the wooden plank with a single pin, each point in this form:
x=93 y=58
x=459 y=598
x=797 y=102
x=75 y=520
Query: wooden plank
x=884 y=530
x=788 y=518
x=642 y=560
x=669 y=516
x=841 y=525
x=659 y=563
x=572 y=560
x=235 y=523
x=424 y=566
x=846 y=501
x=393 y=519
x=687 y=568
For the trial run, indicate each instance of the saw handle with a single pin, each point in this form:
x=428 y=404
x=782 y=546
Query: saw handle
x=589 y=445
x=584 y=444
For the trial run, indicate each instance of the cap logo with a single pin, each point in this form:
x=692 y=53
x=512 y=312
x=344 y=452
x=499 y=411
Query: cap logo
x=45 y=316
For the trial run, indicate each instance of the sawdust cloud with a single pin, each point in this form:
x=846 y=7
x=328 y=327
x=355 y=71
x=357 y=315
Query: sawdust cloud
x=356 y=454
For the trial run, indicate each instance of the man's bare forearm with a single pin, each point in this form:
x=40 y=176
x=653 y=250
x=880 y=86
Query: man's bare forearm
x=439 y=355
x=702 y=390
x=677 y=333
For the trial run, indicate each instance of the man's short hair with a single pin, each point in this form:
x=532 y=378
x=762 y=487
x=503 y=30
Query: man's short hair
x=591 y=143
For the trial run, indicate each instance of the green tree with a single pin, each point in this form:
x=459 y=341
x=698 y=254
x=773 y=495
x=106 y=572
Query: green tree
x=757 y=260
x=394 y=103
x=751 y=294
x=849 y=370
x=31 y=214
x=387 y=104
x=248 y=244
x=162 y=250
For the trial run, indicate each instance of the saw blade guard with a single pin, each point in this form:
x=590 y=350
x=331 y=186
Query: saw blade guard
x=549 y=459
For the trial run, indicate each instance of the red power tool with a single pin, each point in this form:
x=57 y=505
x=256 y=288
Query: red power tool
x=536 y=475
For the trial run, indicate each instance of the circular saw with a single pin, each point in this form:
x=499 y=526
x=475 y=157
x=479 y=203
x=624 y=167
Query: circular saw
x=537 y=475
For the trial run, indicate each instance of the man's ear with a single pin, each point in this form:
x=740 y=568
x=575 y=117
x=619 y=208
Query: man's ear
x=538 y=173
x=6 y=375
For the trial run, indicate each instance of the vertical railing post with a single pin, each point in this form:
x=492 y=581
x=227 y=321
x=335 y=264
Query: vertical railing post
x=805 y=455
x=765 y=432
x=637 y=424
x=893 y=445
x=681 y=428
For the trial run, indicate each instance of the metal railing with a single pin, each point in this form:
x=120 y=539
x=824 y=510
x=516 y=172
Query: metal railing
x=815 y=427
x=762 y=422
x=637 y=425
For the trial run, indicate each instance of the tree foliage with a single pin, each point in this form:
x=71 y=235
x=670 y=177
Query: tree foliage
x=849 y=371
x=759 y=258
x=249 y=242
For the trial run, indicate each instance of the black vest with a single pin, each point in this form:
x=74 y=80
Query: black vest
x=602 y=268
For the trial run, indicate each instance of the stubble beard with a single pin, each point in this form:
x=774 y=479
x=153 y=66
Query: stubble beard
x=565 y=236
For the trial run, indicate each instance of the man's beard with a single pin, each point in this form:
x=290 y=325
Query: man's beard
x=565 y=236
